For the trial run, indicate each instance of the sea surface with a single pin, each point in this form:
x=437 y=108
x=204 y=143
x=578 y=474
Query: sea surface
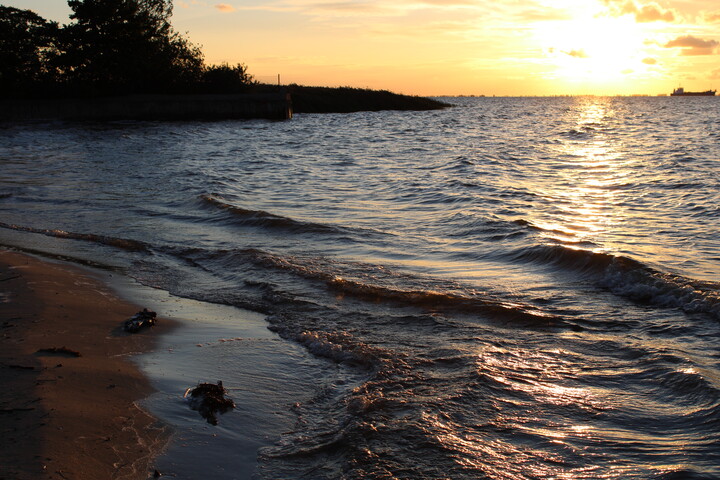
x=511 y=288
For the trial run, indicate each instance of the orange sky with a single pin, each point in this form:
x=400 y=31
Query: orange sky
x=458 y=47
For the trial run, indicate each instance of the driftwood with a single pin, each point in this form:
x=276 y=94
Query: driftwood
x=209 y=399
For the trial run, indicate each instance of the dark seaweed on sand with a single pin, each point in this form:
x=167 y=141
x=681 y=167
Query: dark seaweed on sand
x=63 y=351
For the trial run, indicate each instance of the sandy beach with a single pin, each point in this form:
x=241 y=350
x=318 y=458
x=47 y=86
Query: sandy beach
x=70 y=414
x=116 y=411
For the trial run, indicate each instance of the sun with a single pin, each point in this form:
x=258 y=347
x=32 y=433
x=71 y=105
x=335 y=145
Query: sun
x=593 y=49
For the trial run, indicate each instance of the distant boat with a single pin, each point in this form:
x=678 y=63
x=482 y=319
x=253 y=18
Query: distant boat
x=680 y=92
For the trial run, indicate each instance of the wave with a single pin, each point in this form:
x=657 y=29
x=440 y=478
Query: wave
x=340 y=347
x=379 y=285
x=578 y=133
x=441 y=301
x=630 y=278
x=492 y=228
x=122 y=243
x=684 y=473
x=260 y=218
x=366 y=282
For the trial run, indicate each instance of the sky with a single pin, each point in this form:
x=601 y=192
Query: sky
x=457 y=47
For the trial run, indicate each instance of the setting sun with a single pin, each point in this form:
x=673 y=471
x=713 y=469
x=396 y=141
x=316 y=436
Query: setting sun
x=592 y=49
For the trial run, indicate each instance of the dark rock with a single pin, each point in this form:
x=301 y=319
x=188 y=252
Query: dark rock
x=209 y=399
x=142 y=319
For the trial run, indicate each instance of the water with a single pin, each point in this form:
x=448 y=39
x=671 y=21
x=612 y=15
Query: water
x=513 y=288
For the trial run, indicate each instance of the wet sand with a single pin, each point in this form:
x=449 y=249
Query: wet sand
x=64 y=416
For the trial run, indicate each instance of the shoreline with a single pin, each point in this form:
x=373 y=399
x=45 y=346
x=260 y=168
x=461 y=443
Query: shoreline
x=265 y=375
x=117 y=410
x=260 y=102
x=62 y=415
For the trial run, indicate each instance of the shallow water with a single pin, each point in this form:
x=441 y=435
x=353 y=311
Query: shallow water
x=513 y=288
x=214 y=342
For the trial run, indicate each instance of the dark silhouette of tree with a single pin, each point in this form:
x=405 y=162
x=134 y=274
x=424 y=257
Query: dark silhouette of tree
x=111 y=47
x=28 y=46
x=126 y=46
x=226 y=79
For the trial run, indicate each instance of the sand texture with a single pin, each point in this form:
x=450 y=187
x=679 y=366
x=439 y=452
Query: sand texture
x=69 y=390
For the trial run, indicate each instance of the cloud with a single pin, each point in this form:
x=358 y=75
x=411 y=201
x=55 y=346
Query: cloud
x=654 y=13
x=531 y=10
x=449 y=3
x=451 y=29
x=644 y=13
x=224 y=7
x=331 y=9
x=577 y=53
x=649 y=61
x=191 y=3
x=693 y=46
x=543 y=14
x=688 y=41
x=344 y=7
x=712 y=17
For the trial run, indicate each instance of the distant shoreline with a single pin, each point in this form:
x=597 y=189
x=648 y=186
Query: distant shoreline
x=348 y=99
x=261 y=102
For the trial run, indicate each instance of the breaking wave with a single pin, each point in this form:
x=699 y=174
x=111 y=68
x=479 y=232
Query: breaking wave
x=629 y=278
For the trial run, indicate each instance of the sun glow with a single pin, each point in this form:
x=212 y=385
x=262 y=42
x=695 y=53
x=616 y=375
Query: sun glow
x=459 y=47
x=594 y=49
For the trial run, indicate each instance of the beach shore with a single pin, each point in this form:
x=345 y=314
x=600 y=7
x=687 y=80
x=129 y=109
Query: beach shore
x=72 y=413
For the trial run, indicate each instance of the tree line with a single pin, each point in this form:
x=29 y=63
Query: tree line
x=115 y=47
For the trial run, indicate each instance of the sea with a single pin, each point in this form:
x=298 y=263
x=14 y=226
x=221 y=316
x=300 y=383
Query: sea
x=508 y=288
